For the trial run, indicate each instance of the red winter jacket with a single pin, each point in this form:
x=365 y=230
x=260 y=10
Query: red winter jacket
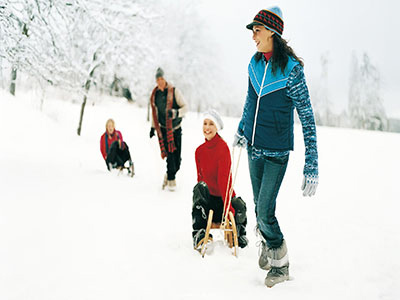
x=213 y=162
x=106 y=141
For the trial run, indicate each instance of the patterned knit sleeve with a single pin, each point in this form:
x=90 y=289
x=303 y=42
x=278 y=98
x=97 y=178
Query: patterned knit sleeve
x=298 y=92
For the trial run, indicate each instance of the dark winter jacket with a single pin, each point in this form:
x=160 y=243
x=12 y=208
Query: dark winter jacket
x=161 y=104
x=213 y=162
x=106 y=141
x=267 y=122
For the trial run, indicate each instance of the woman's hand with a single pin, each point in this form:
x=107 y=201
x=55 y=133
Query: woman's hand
x=309 y=185
x=239 y=140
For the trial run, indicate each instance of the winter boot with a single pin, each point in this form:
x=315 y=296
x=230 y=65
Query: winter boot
x=277 y=275
x=263 y=261
x=198 y=238
x=241 y=220
x=112 y=166
x=279 y=261
x=165 y=181
x=240 y=210
x=172 y=185
x=241 y=232
x=131 y=169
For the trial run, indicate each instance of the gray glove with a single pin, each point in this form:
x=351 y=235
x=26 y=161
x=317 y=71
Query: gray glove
x=239 y=141
x=309 y=185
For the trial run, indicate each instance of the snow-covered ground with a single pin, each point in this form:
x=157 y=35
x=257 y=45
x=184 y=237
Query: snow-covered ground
x=71 y=230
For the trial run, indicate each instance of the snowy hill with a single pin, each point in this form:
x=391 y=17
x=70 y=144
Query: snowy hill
x=71 y=230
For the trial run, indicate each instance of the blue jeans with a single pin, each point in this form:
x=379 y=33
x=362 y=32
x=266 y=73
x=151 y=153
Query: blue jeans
x=266 y=175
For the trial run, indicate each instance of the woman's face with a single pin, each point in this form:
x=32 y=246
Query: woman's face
x=263 y=38
x=209 y=129
x=110 y=127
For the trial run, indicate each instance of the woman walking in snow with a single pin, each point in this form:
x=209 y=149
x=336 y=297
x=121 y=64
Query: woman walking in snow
x=276 y=86
x=113 y=148
x=213 y=162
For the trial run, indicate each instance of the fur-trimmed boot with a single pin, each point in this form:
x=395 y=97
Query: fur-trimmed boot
x=263 y=261
x=279 y=261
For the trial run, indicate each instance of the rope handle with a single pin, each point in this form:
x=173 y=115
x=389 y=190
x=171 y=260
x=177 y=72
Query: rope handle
x=235 y=171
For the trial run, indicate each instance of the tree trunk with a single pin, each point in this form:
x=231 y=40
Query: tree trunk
x=82 y=112
x=13 y=79
x=87 y=86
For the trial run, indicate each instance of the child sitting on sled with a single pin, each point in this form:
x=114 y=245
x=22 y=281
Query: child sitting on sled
x=113 y=148
x=213 y=162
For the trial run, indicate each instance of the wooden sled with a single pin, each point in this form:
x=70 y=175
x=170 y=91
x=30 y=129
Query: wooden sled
x=228 y=225
x=130 y=169
x=230 y=233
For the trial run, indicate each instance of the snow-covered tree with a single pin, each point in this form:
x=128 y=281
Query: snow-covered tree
x=71 y=44
x=365 y=103
x=80 y=45
x=29 y=32
x=320 y=96
x=187 y=54
x=14 y=32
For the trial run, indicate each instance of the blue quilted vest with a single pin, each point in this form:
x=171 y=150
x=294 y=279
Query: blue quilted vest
x=269 y=118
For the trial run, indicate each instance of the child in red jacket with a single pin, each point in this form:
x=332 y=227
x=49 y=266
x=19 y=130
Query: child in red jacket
x=213 y=162
x=113 y=148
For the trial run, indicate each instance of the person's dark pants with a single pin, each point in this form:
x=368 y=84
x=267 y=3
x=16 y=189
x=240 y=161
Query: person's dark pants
x=266 y=175
x=117 y=156
x=203 y=202
x=174 y=158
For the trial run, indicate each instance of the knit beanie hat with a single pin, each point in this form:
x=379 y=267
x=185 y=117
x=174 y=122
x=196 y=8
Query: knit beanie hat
x=214 y=116
x=270 y=18
x=159 y=73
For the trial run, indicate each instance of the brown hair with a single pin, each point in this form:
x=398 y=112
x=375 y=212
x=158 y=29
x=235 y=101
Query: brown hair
x=280 y=55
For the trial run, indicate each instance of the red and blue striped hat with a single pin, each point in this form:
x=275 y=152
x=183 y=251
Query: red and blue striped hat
x=270 y=18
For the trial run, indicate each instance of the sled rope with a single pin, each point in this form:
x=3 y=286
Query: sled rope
x=235 y=171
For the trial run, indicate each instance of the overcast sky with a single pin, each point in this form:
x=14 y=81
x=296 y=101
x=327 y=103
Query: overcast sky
x=313 y=28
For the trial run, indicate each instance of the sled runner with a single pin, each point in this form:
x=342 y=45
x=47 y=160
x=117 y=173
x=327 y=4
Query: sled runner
x=229 y=229
x=130 y=169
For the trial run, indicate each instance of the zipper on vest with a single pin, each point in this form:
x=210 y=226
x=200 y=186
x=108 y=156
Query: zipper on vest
x=258 y=105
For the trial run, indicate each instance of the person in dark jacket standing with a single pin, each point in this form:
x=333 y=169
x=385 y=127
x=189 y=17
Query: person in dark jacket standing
x=276 y=86
x=168 y=108
x=113 y=148
x=213 y=162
